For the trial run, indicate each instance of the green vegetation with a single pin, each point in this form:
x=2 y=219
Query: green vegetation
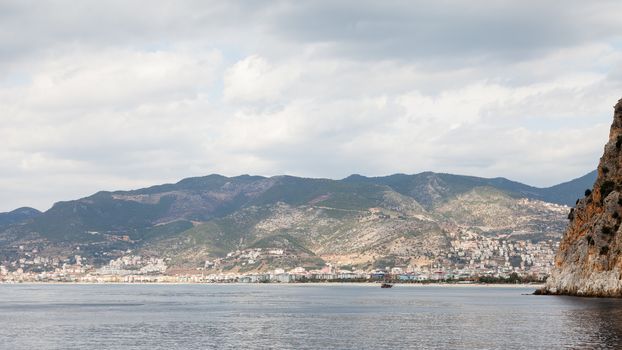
x=214 y=215
x=385 y=261
x=606 y=230
x=513 y=278
x=322 y=192
x=282 y=240
x=165 y=230
x=605 y=189
x=69 y=221
x=18 y=216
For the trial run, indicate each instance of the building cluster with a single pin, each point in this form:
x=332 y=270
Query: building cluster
x=248 y=258
x=130 y=268
x=133 y=265
x=299 y=274
x=473 y=254
x=469 y=256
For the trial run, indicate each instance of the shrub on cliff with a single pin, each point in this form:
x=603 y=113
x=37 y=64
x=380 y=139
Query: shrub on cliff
x=606 y=188
x=607 y=230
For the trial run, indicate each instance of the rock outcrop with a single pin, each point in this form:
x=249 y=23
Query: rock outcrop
x=589 y=260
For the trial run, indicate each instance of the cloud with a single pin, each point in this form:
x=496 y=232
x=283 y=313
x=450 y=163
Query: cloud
x=253 y=79
x=499 y=30
x=111 y=95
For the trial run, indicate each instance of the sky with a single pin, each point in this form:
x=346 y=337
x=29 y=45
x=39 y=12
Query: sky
x=109 y=95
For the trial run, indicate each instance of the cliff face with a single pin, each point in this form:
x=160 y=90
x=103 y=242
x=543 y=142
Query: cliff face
x=589 y=260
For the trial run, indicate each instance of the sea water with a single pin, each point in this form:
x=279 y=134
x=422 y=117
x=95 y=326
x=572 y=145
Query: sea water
x=312 y=316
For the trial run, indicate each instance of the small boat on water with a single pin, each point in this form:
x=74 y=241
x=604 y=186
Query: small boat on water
x=386 y=285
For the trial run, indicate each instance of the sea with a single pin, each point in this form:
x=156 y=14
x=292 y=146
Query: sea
x=301 y=316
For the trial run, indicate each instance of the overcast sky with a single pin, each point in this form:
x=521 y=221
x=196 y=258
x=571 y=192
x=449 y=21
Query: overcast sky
x=105 y=95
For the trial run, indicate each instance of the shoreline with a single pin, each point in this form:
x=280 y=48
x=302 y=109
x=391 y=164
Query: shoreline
x=324 y=284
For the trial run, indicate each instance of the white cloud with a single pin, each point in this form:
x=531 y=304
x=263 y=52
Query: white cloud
x=253 y=79
x=106 y=99
x=113 y=79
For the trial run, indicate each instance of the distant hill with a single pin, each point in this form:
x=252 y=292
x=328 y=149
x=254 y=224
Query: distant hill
x=18 y=216
x=568 y=192
x=430 y=188
x=364 y=218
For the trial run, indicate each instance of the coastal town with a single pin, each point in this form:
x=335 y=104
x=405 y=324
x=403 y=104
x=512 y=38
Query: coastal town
x=470 y=257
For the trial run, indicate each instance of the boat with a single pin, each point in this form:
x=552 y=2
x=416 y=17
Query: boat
x=386 y=285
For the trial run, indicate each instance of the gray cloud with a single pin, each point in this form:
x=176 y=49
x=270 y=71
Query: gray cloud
x=448 y=29
x=116 y=95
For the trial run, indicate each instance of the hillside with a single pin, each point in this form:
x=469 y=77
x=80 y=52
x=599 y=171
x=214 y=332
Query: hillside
x=362 y=221
x=567 y=193
x=18 y=216
x=430 y=188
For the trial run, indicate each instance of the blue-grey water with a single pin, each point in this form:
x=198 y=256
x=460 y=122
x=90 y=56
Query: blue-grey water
x=301 y=317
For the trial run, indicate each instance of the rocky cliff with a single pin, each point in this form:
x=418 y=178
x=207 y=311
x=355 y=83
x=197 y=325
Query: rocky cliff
x=589 y=260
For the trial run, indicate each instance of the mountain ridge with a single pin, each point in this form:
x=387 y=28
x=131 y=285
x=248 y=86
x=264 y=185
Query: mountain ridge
x=18 y=216
x=398 y=218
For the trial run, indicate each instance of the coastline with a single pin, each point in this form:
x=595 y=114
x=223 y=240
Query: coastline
x=323 y=284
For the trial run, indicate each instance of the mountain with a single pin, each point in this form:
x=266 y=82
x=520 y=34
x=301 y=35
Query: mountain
x=18 y=216
x=589 y=260
x=567 y=193
x=430 y=188
x=364 y=221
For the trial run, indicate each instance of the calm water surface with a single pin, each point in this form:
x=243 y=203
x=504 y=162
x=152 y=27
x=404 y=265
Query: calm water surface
x=301 y=317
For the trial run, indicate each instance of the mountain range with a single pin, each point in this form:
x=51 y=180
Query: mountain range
x=360 y=220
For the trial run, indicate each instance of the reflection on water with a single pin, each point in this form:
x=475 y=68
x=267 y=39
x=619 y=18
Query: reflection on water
x=301 y=317
x=593 y=322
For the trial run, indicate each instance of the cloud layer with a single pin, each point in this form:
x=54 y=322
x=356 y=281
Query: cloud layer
x=107 y=95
